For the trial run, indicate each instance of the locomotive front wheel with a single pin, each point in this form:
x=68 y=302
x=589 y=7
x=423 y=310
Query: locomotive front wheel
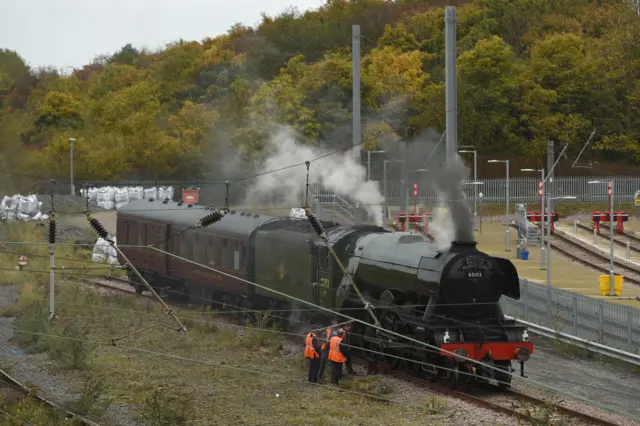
x=458 y=375
x=503 y=377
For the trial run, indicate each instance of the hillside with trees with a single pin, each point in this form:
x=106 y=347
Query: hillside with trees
x=528 y=70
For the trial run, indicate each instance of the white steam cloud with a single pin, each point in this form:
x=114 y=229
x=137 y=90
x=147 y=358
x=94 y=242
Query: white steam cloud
x=338 y=172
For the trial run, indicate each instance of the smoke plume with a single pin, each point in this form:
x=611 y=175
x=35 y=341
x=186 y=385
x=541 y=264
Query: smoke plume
x=338 y=172
x=449 y=182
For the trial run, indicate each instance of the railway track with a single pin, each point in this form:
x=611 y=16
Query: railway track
x=522 y=406
x=591 y=259
x=629 y=234
x=619 y=239
x=525 y=407
x=13 y=384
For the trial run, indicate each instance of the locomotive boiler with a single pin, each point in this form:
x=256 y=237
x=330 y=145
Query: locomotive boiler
x=448 y=299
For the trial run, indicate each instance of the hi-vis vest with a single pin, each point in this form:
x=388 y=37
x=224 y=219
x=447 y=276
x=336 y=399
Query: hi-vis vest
x=309 y=351
x=334 y=350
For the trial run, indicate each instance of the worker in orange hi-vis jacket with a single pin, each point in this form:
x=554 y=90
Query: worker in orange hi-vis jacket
x=312 y=353
x=336 y=356
x=329 y=332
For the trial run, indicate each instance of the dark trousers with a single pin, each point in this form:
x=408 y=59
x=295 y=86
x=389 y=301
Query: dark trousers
x=348 y=364
x=324 y=360
x=336 y=372
x=314 y=366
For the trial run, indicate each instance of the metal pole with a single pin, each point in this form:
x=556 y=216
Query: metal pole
x=357 y=136
x=368 y=165
x=451 y=83
x=475 y=190
x=542 y=253
x=71 y=141
x=384 y=186
x=508 y=232
x=548 y=261
x=52 y=250
x=548 y=221
x=406 y=191
x=611 y=231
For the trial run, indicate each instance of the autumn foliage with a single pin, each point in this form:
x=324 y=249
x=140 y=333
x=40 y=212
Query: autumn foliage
x=529 y=71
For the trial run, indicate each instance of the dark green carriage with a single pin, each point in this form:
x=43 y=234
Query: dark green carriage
x=284 y=262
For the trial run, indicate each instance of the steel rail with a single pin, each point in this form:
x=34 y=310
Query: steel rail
x=28 y=392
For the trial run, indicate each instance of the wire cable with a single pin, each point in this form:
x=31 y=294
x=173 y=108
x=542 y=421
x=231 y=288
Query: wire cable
x=301 y=335
x=212 y=364
x=382 y=330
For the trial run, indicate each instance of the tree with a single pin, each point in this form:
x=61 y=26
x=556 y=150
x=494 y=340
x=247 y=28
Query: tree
x=487 y=87
x=60 y=110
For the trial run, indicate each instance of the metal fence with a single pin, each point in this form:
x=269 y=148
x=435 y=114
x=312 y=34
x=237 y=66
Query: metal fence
x=607 y=323
x=521 y=190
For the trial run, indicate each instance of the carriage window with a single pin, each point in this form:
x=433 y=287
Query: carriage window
x=141 y=236
x=175 y=244
x=243 y=256
x=190 y=245
x=197 y=248
x=236 y=257
x=210 y=251
x=161 y=236
x=224 y=251
x=183 y=245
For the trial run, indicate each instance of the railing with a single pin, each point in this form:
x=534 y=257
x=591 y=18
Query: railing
x=559 y=313
x=521 y=190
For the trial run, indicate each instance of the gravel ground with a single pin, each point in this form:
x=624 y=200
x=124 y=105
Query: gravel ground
x=37 y=370
x=611 y=385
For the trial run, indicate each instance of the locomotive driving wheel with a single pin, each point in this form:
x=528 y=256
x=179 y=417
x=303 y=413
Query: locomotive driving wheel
x=457 y=375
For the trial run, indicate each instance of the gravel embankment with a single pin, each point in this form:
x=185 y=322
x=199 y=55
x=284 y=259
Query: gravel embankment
x=37 y=370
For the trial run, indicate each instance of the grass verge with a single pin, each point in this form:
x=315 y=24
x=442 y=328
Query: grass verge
x=214 y=374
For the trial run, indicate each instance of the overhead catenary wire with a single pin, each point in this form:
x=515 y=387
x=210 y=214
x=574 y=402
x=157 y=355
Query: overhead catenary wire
x=275 y=331
x=390 y=332
x=99 y=229
x=212 y=364
x=260 y=329
x=320 y=157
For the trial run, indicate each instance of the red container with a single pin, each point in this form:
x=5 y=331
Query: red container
x=190 y=196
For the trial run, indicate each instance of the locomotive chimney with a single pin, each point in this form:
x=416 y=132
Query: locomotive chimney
x=461 y=246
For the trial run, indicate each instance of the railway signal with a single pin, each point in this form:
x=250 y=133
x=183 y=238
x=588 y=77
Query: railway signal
x=23 y=261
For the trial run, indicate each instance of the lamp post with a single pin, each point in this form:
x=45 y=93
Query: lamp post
x=406 y=200
x=611 y=230
x=475 y=189
x=542 y=216
x=369 y=161
x=548 y=217
x=384 y=178
x=508 y=231
x=71 y=141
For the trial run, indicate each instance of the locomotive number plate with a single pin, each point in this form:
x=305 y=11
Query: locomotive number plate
x=475 y=274
x=475 y=268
